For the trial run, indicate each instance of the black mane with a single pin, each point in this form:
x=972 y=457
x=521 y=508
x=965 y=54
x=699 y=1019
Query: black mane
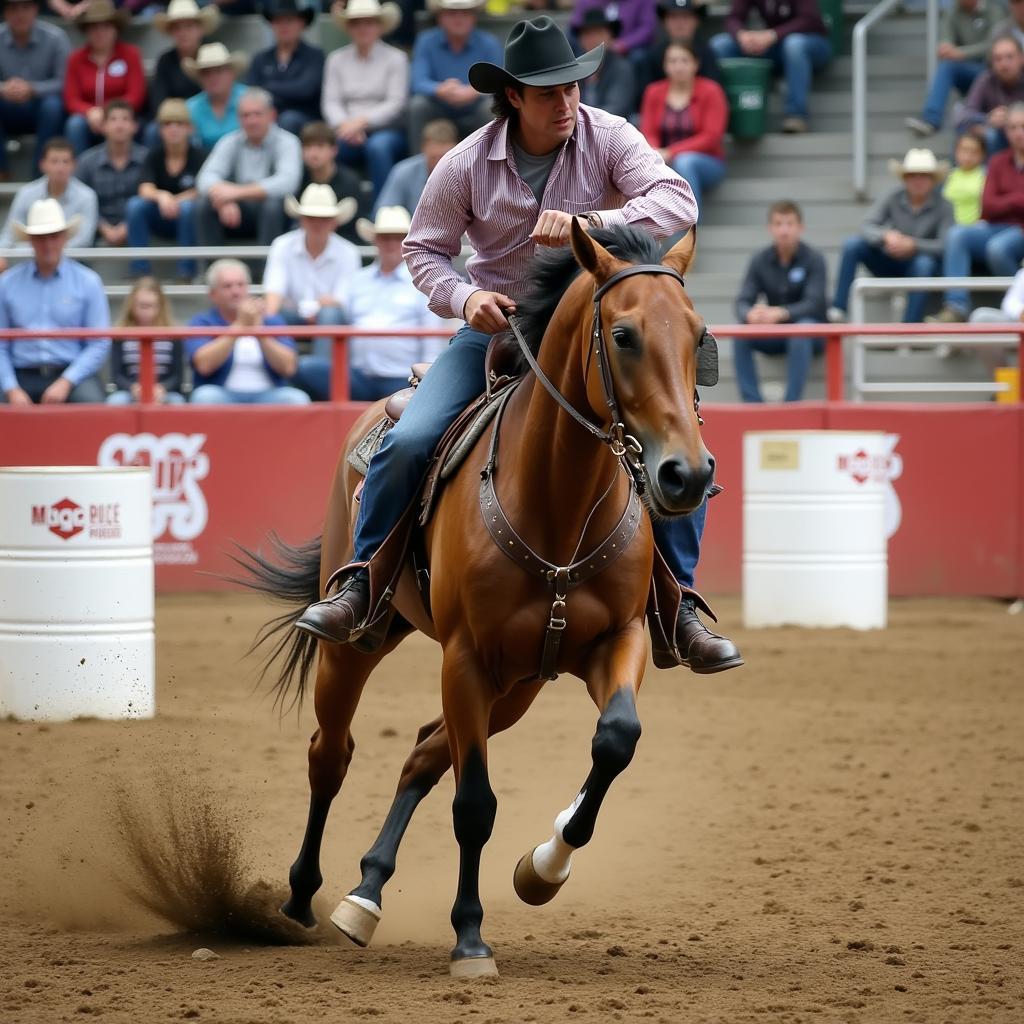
x=553 y=270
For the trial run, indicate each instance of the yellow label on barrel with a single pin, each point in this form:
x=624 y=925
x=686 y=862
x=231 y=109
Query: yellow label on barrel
x=780 y=454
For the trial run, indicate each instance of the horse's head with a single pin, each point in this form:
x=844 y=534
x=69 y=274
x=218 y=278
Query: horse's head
x=653 y=339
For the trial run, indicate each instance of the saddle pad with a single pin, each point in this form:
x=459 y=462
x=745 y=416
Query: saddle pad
x=465 y=443
x=359 y=457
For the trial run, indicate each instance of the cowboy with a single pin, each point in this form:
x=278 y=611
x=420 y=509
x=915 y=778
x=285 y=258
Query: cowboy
x=45 y=292
x=214 y=110
x=186 y=24
x=511 y=186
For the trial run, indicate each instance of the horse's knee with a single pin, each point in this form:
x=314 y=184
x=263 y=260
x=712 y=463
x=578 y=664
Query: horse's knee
x=618 y=732
x=426 y=764
x=475 y=805
x=329 y=759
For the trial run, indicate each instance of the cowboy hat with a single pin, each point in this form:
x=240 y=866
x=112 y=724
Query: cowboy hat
x=434 y=6
x=275 y=7
x=388 y=14
x=597 y=17
x=919 y=161
x=214 y=55
x=100 y=12
x=187 y=10
x=45 y=217
x=537 y=53
x=390 y=220
x=320 y=201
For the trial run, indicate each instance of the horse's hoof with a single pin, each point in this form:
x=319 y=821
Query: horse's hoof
x=303 y=916
x=473 y=967
x=530 y=887
x=355 y=920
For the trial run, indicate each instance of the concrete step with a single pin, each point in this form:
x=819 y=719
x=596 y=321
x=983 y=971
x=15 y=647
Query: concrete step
x=815 y=144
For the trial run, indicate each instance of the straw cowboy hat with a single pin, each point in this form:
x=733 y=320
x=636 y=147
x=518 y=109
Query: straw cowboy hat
x=100 y=12
x=214 y=55
x=537 y=53
x=320 y=201
x=920 y=161
x=187 y=10
x=390 y=220
x=388 y=14
x=454 y=5
x=45 y=217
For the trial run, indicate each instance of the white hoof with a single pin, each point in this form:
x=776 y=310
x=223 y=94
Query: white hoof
x=357 y=918
x=474 y=967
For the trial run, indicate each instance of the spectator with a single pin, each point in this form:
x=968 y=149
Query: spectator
x=1011 y=311
x=186 y=24
x=166 y=200
x=320 y=167
x=214 y=110
x=78 y=201
x=441 y=60
x=993 y=93
x=250 y=369
x=902 y=236
x=997 y=240
x=794 y=39
x=365 y=90
x=44 y=293
x=784 y=283
x=963 y=46
x=684 y=117
x=33 y=56
x=105 y=69
x=244 y=180
x=637 y=25
x=113 y=170
x=1013 y=25
x=966 y=182
x=291 y=70
x=147 y=306
x=682 y=21
x=406 y=180
x=613 y=86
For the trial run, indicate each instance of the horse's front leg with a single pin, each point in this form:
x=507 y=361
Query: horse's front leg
x=613 y=677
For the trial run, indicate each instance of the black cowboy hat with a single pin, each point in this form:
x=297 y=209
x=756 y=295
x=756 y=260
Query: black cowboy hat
x=537 y=53
x=682 y=6
x=272 y=8
x=597 y=18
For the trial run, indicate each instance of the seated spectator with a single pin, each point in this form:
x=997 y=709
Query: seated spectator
x=963 y=47
x=320 y=167
x=795 y=40
x=1011 y=26
x=186 y=24
x=902 y=236
x=966 y=182
x=244 y=180
x=147 y=306
x=291 y=70
x=250 y=369
x=784 y=283
x=993 y=93
x=166 y=202
x=104 y=69
x=684 y=117
x=613 y=86
x=33 y=56
x=407 y=178
x=78 y=201
x=997 y=240
x=1011 y=311
x=366 y=86
x=634 y=37
x=113 y=171
x=214 y=109
x=441 y=60
x=43 y=293
x=681 y=21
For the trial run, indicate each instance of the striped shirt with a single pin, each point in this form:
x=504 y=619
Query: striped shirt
x=605 y=167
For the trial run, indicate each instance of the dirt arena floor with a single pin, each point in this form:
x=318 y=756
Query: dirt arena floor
x=833 y=833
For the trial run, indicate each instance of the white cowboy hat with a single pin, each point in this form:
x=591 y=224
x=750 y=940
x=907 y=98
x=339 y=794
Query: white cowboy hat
x=214 y=55
x=454 y=5
x=388 y=14
x=45 y=217
x=390 y=220
x=187 y=10
x=919 y=161
x=320 y=201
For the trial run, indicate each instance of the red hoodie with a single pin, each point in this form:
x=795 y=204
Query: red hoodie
x=88 y=85
x=1002 y=202
x=710 y=111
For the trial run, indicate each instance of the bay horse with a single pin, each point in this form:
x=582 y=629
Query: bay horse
x=560 y=492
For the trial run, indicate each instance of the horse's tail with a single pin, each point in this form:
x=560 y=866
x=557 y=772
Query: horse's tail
x=291 y=576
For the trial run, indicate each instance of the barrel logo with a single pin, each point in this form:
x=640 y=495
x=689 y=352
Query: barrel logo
x=64 y=518
x=883 y=467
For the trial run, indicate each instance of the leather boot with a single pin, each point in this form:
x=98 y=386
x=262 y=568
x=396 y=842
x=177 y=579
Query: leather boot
x=702 y=651
x=340 y=618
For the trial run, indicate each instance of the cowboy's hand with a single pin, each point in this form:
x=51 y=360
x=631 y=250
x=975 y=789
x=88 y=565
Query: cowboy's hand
x=552 y=228
x=57 y=392
x=485 y=311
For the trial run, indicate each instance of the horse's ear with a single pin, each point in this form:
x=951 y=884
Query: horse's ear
x=591 y=255
x=680 y=256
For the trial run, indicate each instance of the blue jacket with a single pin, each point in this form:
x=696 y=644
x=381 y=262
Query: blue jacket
x=212 y=318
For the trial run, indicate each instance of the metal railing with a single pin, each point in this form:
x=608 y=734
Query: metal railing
x=165 y=253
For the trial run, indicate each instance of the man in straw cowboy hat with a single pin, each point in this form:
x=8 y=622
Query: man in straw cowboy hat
x=43 y=293
x=186 y=23
x=214 y=109
x=511 y=186
x=902 y=236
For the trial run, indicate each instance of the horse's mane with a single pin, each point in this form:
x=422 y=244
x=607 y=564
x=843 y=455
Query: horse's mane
x=553 y=270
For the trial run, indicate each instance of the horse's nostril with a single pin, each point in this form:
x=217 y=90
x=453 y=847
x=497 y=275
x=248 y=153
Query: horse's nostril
x=711 y=465
x=672 y=477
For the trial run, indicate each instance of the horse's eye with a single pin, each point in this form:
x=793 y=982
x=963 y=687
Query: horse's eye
x=623 y=337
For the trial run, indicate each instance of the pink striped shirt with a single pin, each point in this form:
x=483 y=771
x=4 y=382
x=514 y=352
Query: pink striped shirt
x=606 y=167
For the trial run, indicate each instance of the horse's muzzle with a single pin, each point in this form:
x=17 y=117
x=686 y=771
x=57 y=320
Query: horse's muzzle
x=680 y=486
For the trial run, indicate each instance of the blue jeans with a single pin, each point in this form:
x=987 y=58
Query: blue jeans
x=455 y=379
x=143 y=216
x=797 y=57
x=216 y=394
x=701 y=171
x=949 y=75
x=860 y=251
x=44 y=116
x=79 y=134
x=125 y=398
x=365 y=387
x=314 y=373
x=1000 y=246
x=381 y=151
x=798 y=352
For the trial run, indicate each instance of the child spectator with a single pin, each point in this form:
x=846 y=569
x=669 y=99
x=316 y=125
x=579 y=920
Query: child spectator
x=966 y=181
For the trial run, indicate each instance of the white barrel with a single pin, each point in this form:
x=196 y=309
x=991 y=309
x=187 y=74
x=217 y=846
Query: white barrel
x=814 y=538
x=76 y=593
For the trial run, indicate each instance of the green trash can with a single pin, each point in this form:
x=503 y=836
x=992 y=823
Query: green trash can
x=746 y=81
